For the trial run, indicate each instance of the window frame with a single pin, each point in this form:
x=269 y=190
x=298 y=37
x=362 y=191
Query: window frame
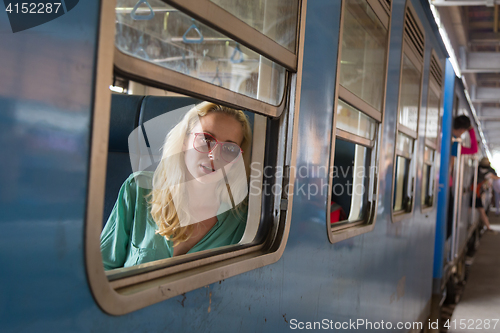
x=342 y=231
x=437 y=88
x=424 y=208
x=410 y=51
x=219 y=19
x=161 y=77
x=339 y=228
x=138 y=291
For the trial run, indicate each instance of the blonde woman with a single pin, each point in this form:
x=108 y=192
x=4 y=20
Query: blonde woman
x=191 y=207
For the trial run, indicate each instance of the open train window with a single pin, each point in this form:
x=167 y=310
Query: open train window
x=361 y=81
x=412 y=59
x=432 y=124
x=177 y=198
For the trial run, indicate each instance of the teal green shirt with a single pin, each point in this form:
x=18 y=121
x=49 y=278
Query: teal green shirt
x=129 y=237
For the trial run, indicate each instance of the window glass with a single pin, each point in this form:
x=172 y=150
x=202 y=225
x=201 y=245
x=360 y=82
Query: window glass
x=177 y=183
x=402 y=189
x=410 y=95
x=364 y=47
x=175 y=41
x=432 y=122
x=404 y=143
x=277 y=19
x=426 y=185
x=427 y=179
x=350 y=182
x=353 y=121
x=428 y=155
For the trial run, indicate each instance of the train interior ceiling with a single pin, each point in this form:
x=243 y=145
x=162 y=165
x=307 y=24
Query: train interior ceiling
x=250 y=166
x=473 y=31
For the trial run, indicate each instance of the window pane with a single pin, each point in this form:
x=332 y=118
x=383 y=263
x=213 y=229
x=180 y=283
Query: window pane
x=428 y=155
x=410 y=95
x=427 y=186
x=364 y=48
x=277 y=19
x=402 y=194
x=170 y=195
x=351 y=120
x=404 y=143
x=432 y=121
x=350 y=183
x=173 y=40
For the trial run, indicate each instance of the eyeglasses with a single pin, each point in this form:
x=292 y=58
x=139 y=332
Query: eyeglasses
x=206 y=143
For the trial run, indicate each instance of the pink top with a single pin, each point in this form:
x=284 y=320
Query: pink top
x=473 y=144
x=468 y=150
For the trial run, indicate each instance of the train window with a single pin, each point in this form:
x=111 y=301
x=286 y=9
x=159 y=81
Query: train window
x=351 y=120
x=428 y=179
x=178 y=197
x=410 y=95
x=353 y=175
x=200 y=177
x=257 y=14
x=432 y=122
x=178 y=42
x=431 y=130
x=350 y=187
x=403 y=195
x=364 y=50
x=361 y=79
x=412 y=58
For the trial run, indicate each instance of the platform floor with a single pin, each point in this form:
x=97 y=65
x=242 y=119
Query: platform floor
x=481 y=298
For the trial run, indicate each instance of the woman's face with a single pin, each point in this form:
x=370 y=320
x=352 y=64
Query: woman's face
x=222 y=127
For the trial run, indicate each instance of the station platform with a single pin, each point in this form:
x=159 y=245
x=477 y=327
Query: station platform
x=480 y=302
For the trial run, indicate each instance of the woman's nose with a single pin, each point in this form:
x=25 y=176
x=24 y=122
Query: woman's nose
x=215 y=153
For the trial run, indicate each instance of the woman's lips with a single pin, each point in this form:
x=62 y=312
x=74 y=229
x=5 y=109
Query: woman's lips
x=206 y=169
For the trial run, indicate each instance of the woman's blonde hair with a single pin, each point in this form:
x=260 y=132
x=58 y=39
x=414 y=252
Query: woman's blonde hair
x=171 y=174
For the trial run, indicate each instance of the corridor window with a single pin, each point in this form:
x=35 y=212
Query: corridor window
x=432 y=126
x=361 y=81
x=350 y=185
x=428 y=186
x=412 y=59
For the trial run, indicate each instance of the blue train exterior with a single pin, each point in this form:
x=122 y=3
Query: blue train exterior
x=47 y=95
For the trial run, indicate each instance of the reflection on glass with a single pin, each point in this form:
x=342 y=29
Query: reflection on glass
x=186 y=193
x=350 y=182
x=277 y=19
x=404 y=143
x=432 y=122
x=402 y=190
x=410 y=95
x=364 y=40
x=175 y=41
x=351 y=120
x=428 y=155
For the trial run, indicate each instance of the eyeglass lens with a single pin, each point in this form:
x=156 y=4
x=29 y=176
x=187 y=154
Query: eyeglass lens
x=205 y=143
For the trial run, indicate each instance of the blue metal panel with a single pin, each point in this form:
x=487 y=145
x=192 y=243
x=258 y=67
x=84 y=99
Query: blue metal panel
x=46 y=89
x=46 y=103
x=444 y=179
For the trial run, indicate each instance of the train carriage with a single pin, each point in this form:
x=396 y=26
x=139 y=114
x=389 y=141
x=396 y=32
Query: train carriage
x=350 y=105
